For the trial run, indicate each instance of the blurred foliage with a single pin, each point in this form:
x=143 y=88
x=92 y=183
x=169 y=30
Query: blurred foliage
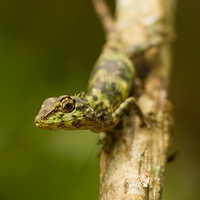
x=47 y=49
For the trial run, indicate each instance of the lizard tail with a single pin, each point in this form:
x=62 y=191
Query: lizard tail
x=104 y=14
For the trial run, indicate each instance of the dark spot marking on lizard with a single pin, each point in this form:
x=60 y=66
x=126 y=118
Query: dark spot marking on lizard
x=98 y=105
x=113 y=93
x=86 y=117
x=44 y=111
x=112 y=66
x=109 y=65
x=95 y=98
x=124 y=77
x=100 y=85
x=81 y=107
x=126 y=66
x=61 y=116
x=106 y=109
x=77 y=123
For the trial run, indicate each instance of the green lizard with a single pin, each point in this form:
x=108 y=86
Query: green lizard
x=108 y=97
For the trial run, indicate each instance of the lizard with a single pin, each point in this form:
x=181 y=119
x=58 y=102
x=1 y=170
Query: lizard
x=110 y=84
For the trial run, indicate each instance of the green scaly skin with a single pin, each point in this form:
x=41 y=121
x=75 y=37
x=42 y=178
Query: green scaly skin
x=107 y=99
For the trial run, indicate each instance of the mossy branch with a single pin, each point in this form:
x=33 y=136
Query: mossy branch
x=133 y=160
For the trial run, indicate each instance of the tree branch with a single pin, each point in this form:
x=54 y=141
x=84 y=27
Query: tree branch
x=133 y=159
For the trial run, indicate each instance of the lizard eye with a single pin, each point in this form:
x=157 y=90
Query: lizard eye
x=68 y=105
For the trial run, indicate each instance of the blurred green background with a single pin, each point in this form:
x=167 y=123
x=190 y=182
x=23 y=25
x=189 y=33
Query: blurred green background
x=47 y=48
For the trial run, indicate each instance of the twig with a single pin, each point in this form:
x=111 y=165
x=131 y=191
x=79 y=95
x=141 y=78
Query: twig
x=104 y=14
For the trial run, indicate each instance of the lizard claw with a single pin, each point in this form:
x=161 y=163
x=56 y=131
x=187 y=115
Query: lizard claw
x=150 y=121
x=146 y=123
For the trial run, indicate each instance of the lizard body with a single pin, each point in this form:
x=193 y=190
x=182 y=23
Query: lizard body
x=109 y=85
x=108 y=97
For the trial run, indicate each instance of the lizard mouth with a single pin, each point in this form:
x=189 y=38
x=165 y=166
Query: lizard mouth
x=46 y=125
x=40 y=125
x=55 y=126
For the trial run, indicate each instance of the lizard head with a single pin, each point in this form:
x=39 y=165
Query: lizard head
x=66 y=112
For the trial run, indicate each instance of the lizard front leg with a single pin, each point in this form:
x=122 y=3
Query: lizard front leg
x=125 y=106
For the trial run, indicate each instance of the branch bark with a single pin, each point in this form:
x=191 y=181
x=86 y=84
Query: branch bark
x=133 y=159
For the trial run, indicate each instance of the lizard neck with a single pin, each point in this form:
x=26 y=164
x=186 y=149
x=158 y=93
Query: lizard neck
x=102 y=111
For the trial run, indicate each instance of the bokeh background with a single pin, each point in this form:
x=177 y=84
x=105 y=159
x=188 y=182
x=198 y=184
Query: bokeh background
x=47 y=48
